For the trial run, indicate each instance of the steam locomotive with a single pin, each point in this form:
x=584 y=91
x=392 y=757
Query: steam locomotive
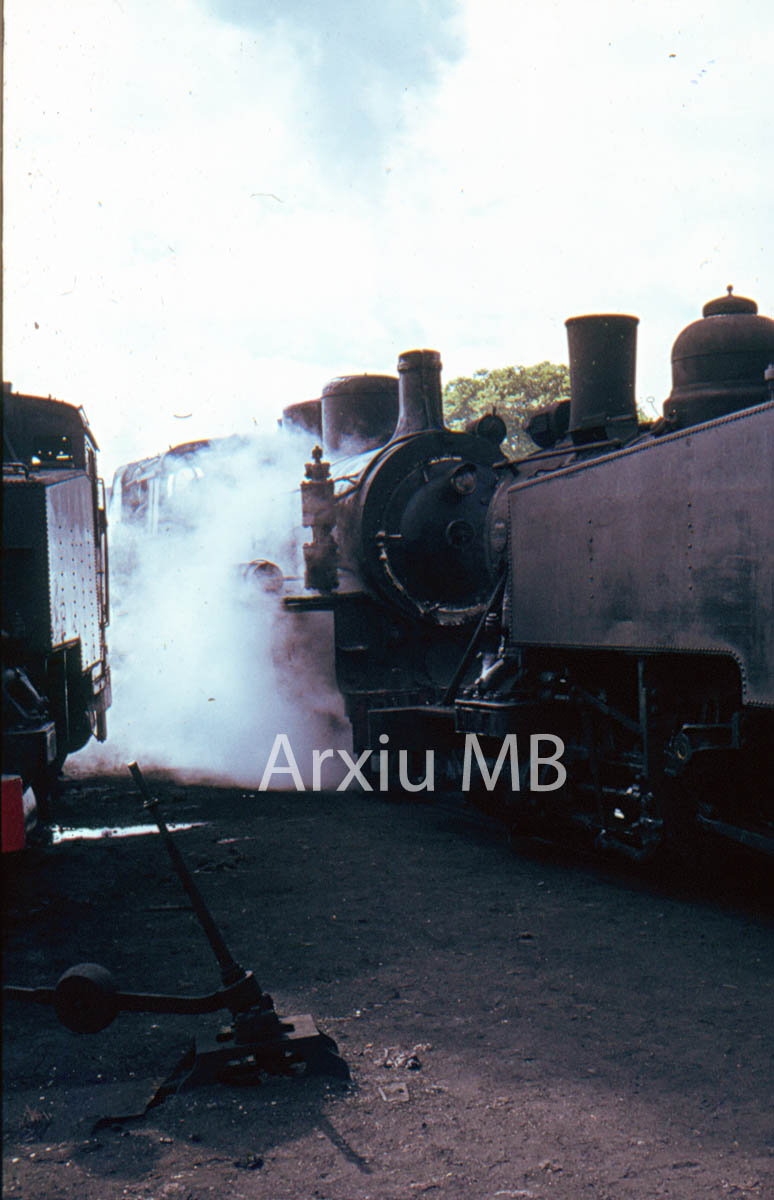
x=407 y=539
x=613 y=590
x=56 y=679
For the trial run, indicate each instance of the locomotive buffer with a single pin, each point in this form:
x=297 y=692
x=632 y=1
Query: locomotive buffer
x=86 y=1000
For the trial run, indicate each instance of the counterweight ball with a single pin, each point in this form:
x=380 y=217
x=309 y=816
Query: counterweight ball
x=85 y=998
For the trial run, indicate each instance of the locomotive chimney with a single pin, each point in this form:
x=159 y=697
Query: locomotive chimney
x=603 y=350
x=420 y=404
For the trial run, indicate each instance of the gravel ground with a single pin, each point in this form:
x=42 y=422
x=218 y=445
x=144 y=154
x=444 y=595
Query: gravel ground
x=531 y=1024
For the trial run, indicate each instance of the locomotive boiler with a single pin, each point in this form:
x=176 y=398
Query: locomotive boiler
x=56 y=679
x=613 y=590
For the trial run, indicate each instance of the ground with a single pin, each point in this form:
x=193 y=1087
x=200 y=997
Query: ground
x=517 y=1023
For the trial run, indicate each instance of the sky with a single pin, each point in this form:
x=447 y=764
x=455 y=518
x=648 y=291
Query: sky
x=212 y=207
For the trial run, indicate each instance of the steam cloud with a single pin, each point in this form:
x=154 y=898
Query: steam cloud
x=361 y=67
x=207 y=667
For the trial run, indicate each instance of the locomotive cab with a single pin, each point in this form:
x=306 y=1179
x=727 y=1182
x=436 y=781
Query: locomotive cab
x=56 y=680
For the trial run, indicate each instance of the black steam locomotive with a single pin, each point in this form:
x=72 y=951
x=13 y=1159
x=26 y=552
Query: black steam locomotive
x=408 y=539
x=612 y=592
x=56 y=680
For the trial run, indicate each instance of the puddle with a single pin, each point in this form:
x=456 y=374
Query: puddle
x=117 y=831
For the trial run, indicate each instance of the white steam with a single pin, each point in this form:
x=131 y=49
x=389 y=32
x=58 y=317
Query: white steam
x=207 y=667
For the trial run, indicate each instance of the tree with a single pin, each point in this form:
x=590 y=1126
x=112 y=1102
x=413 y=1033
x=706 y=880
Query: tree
x=515 y=392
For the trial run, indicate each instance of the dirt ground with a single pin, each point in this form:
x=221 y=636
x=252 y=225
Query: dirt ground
x=530 y=1024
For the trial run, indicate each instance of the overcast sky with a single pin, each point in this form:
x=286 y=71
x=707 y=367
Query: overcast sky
x=214 y=206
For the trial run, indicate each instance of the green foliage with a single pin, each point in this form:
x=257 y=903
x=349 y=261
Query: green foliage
x=515 y=392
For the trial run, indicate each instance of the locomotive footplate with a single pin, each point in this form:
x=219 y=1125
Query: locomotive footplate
x=86 y=1000
x=315 y=603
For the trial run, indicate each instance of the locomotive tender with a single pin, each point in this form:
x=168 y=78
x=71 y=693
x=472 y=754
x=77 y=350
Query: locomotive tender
x=56 y=679
x=614 y=589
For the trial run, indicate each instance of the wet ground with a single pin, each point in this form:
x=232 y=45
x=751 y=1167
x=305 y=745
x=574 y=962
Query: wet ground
x=530 y=1024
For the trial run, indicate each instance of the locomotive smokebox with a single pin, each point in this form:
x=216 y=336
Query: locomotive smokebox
x=603 y=351
x=359 y=412
x=719 y=363
x=420 y=401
